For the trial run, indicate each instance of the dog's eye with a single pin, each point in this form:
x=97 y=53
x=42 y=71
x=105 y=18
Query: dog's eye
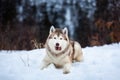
x=60 y=38
x=54 y=37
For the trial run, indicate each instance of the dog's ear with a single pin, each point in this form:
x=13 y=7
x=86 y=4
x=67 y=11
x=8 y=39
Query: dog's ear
x=65 y=31
x=52 y=29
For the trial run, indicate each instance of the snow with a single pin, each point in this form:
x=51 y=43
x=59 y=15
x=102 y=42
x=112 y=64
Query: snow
x=100 y=63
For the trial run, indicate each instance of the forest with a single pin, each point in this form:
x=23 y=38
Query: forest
x=90 y=22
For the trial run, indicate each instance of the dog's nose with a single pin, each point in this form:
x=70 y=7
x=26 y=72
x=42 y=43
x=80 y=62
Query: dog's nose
x=57 y=44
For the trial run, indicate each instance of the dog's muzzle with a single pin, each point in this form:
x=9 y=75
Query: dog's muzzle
x=57 y=47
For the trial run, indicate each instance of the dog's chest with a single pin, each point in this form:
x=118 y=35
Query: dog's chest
x=57 y=59
x=60 y=62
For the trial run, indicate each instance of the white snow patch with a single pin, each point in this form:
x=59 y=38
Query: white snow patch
x=100 y=63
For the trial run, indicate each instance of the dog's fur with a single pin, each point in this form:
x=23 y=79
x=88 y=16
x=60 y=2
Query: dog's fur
x=60 y=50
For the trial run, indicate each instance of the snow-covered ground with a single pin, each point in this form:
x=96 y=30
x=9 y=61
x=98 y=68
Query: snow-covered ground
x=100 y=63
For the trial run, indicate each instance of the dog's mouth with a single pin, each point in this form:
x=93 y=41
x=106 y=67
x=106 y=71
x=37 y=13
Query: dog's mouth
x=58 y=48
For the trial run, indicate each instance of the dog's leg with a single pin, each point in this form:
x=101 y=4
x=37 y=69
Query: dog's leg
x=78 y=54
x=66 y=68
x=44 y=64
x=79 y=58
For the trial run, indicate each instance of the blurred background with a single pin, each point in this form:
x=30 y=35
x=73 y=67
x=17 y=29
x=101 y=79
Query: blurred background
x=90 y=22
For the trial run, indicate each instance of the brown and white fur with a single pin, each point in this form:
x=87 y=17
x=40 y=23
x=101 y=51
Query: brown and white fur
x=60 y=50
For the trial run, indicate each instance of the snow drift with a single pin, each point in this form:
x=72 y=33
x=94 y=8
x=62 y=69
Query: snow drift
x=100 y=63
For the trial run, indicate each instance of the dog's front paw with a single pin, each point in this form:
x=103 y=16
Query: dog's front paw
x=44 y=65
x=66 y=72
x=66 y=68
x=41 y=68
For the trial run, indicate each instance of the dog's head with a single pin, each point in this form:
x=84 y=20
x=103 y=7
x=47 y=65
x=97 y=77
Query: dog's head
x=58 y=39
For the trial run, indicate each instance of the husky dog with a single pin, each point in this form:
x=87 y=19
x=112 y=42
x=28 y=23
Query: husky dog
x=60 y=50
